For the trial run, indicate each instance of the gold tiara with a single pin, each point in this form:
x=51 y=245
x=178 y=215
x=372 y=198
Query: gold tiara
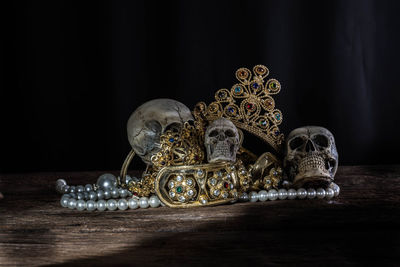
x=249 y=105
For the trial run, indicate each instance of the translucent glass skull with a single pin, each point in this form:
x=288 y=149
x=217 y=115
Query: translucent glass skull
x=152 y=119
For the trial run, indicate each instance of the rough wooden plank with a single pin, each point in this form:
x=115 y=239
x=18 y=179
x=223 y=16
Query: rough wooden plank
x=361 y=226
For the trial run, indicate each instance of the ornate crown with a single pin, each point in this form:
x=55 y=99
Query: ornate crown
x=249 y=105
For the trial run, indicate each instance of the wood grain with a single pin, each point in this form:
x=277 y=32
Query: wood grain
x=360 y=226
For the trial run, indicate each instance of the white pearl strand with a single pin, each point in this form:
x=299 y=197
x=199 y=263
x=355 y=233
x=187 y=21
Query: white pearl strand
x=112 y=198
x=300 y=193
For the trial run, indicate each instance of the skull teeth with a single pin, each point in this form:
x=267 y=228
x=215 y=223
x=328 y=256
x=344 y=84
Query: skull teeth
x=222 y=150
x=311 y=162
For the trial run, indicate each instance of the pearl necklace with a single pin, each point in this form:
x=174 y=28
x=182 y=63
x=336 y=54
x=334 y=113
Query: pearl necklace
x=106 y=195
x=88 y=198
x=282 y=194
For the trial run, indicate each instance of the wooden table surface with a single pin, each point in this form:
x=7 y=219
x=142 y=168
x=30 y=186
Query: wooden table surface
x=362 y=225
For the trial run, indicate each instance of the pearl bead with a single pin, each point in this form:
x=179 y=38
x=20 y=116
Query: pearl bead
x=101 y=205
x=64 y=200
x=107 y=181
x=292 y=193
x=335 y=188
x=112 y=204
x=143 y=202
x=79 y=196
x=88 y=188
x=263 y=195
x=100 y=194
x=272 y=194
x=80 y=205
x=329 y=193
x=114 y=193
x=154 y=202
x=133 y=203
x=311 y=193
x=127 y=179
x=73 y=195
x=92 y=195
x=123 y=193
x=65 y=189
x=244 y=197
x=107 y=194
x=60 y=184
x=282 y=193
x=85 y=195
x=122 y=204
x=80 y=188
x=301 y=193
x=320 y=193
x=72 y=189
x=91 y=205
x=253 y=196
x=72 y=203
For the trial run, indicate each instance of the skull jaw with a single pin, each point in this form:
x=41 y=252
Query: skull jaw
x=221 y=152
x=313 y=178
x=222 y=158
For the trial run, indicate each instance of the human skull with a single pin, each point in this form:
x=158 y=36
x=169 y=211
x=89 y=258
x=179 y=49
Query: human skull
x=311 y=158
x=221 y=141
x=152 y=119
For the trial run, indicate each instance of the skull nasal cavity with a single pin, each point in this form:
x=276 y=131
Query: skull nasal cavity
x=221 y=137
x=310 y=146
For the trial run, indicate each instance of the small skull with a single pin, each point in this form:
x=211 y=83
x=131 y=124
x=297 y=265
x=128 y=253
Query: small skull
x=311 y=158
x=150 y=120
x=221 y=141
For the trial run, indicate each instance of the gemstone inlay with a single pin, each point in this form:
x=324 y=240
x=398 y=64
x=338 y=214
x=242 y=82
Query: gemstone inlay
x=200 y=173
x=213 y=181
x=216 y=192
x=250 y=106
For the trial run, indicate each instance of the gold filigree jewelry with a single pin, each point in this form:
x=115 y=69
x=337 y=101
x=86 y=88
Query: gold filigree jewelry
x=266 y=172
x=177 y=148
x=180 y=148
x=249 y=105
x=201 y=185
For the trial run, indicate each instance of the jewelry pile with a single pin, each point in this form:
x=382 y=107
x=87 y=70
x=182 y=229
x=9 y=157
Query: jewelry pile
x=197 y=159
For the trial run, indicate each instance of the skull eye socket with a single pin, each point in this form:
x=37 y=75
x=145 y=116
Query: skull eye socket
x=153 y=126
x=321 y=140
x=174 y=127
x=229 y=133
x=296 y=143
x=213 y=133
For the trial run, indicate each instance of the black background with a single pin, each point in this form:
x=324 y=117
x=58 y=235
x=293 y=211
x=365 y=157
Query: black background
x=73 y=72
